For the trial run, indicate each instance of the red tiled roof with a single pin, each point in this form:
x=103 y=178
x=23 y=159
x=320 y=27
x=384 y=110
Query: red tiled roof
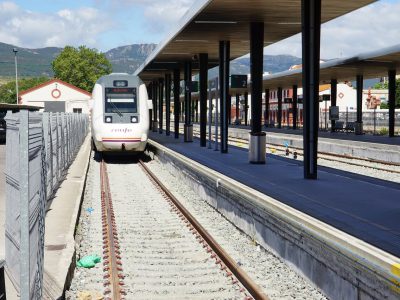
x=54 y=80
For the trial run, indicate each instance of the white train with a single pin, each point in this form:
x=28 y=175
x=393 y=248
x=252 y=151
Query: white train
x=120 y=113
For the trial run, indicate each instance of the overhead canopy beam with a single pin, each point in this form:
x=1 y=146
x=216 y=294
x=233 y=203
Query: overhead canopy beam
x=371 y=64
x=209 y=21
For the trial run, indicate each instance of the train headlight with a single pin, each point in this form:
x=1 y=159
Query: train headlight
x=108 y=119
x=134 y=119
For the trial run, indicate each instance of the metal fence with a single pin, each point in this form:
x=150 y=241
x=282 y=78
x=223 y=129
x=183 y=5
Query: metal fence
x=375 y=121
x=39 y=149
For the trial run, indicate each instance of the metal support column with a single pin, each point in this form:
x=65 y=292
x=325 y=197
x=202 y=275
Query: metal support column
x=161 y=104
x=203 y=61
x=266 y=111
x=237 y=110
x=392 y=100
x=279 y=107
x=246 y=105
x=167 y=104
x=150 y=94
x=188 y=127
x=358 y=126
x=177 y=104
x=311 y=34
x=155 y=118
x=333 y=100
x=294 y=107
x=224 y=57
x=229 y=109
x=197 y=111
x=257 y=138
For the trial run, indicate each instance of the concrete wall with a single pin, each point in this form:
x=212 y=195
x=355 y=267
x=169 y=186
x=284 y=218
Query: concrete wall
x=342 y=266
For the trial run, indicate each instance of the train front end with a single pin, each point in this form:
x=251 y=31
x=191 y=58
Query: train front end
x=120 y=114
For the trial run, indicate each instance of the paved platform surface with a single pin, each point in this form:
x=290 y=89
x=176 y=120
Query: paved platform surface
x=364 y=207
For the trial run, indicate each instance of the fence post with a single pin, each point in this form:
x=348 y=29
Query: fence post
x=58 y=154
x=3 y=295
x=63 y=146
x=24 y=204
x=48 y=150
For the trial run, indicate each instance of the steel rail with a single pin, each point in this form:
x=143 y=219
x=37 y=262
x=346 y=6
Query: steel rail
x=369 y=160
x=113 y=277
x=256 y=292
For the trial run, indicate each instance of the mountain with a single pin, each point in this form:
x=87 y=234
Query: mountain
x=128 y=58
x=31 y=62
x=37 y=62
x=272 y=64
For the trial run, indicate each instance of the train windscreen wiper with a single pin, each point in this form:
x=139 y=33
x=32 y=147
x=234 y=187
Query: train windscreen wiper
x=116 y=108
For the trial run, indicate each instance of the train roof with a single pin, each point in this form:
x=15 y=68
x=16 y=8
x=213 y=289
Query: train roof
x=109 y=79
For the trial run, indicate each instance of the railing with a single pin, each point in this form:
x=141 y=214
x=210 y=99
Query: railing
x=39 y=149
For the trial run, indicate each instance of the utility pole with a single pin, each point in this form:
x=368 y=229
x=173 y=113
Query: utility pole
x=16 y=71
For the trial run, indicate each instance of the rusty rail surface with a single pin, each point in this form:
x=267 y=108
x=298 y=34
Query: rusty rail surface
x=112 y=265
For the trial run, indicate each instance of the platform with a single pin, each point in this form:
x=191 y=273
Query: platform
x=362 y=206
x=340 y=136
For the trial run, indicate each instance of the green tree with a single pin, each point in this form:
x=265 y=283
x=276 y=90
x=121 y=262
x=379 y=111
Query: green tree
x=8 y=93
x=384 y=86
x=81 y=66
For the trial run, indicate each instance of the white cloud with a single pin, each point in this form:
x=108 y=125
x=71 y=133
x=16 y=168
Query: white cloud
x=370 y=28
x=163 y=15
x=160 y=15
x=29 y=29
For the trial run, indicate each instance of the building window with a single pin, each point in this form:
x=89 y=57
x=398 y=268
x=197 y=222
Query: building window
x=77 y=110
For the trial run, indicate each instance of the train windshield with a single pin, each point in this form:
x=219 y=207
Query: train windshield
x=120 y=100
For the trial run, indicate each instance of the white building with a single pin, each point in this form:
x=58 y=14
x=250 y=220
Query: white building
x=346 y=97
x=57 y=95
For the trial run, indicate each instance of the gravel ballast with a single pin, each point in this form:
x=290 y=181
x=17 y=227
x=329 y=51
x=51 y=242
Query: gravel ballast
x=161 y=258
x=277 y=279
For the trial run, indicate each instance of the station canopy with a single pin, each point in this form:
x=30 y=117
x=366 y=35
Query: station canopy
x=17 y=107
x=372 y=64
x=209 y=21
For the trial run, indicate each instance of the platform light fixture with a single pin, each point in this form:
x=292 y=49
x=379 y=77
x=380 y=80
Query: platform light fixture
x=379 y=61
x=289 y=23
x=175 y=53
x=198 y=41
x=265 y=42
x=215 y=22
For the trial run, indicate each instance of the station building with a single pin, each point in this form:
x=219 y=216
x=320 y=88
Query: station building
x=56 y=95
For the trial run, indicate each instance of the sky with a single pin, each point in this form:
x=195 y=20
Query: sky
x=106 y=24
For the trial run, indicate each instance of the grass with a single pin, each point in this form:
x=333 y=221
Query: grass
x=5 y=79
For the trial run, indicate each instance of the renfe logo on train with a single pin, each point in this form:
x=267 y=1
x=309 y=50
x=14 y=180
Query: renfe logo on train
x=124 y=130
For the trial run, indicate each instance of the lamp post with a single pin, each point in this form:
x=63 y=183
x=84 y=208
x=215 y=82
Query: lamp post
x=16 y=71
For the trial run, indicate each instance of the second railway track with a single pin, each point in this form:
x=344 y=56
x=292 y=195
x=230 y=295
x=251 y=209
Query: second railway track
x=390 y=168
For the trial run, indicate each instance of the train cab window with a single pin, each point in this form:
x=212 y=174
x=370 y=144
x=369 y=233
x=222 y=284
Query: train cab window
x=120 y=100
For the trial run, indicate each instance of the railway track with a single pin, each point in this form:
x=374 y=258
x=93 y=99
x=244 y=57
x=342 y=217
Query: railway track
x=332 y=157
x=113 y=276
x=166 y=253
